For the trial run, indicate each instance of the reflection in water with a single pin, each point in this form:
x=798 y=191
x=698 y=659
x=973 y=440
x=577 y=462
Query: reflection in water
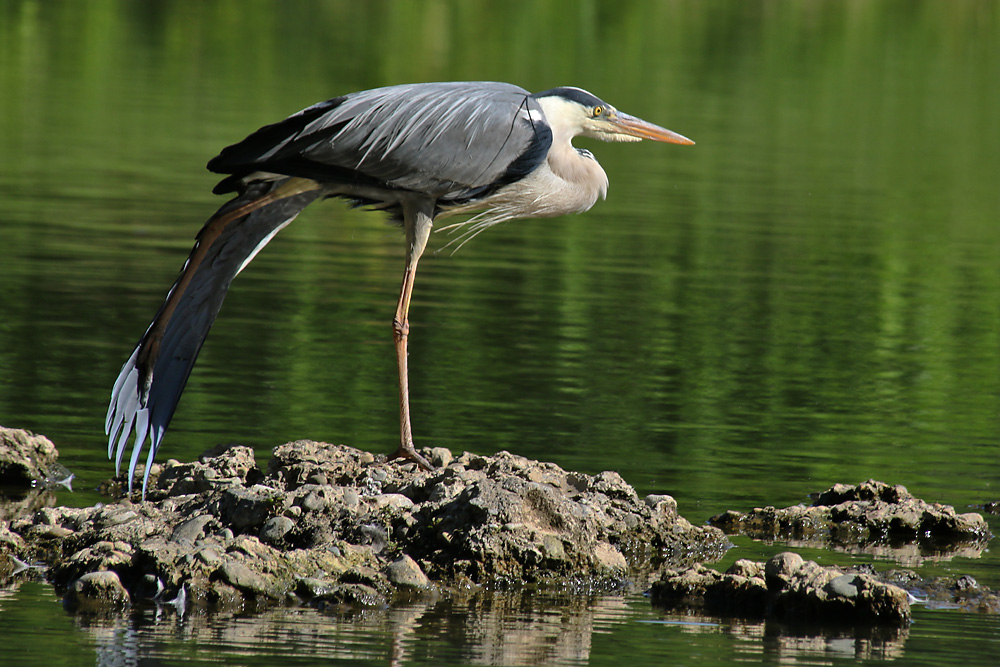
x=783 y=644
x=480 y=629
x=902 y=553
x=811 y=294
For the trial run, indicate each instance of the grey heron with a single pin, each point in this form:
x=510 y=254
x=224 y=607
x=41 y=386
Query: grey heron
x=420 y=152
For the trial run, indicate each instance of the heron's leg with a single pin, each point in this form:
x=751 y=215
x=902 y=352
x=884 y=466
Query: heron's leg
x=418 y=221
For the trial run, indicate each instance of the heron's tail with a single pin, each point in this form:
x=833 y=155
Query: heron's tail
x=151 y=381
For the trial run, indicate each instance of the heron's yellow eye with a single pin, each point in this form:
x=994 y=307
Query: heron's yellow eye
x=598 y=111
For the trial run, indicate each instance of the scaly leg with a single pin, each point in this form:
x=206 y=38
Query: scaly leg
x=418 y=222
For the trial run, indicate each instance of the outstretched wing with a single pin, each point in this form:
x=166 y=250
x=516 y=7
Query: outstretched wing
x=151 y=381
x=451 y=141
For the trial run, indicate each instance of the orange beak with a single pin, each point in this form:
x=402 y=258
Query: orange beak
x=637 y=127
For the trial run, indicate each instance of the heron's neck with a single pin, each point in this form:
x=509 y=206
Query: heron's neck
x=579 y=170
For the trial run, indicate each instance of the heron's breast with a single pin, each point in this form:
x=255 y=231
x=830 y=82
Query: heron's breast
x=544 y=193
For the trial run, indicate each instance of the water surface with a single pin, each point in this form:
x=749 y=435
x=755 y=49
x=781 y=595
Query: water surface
x=807 y=296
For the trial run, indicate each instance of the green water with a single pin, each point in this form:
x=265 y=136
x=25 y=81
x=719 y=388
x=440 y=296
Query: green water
x=809 y=295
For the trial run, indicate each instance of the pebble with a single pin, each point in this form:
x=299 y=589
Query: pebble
x=405 y=572
x=313 y=502
x=846 y=586
x=191 y=530
x=209 y=556
x=275 y=529
x=240 y=576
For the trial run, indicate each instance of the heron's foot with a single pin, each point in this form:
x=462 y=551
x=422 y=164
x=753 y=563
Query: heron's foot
x=408 y=453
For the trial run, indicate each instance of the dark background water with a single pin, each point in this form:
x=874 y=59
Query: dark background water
x=810 y=295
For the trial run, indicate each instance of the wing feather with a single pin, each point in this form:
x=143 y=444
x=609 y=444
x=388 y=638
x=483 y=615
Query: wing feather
x=150 y=384
x=446 y=140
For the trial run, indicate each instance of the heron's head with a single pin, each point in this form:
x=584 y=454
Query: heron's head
x=578 y=113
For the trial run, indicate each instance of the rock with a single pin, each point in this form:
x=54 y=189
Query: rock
x=950 y=592
x=240 y=576
x=395 y=501
x=96 y=592
x=846 y=585
x=275 y=529
x=191 y=530
x=779 y=570
x=313 y=502
x=661 y=503
x=209 y=556
x=311 y=587
x=440 y=457
x=868 y=514
x=242 y=508
x=232 y=461
x=25 y=457
x=340 y=529
x=350 y=596
x=405 y=572
x=221 y=466
x=792 y=590
x=375 y=536
x=610 y=560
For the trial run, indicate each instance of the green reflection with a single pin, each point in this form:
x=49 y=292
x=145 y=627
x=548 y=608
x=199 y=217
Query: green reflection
x=807 y=296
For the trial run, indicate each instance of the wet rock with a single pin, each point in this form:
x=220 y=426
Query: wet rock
x=405 y=572
x=97 y=592
x=790 y=590
x=992 y=507
x=949 y=592
x=312 y=587
x=240 y=576
x=25 y=458
x=337 y=527
x=352 y=596
x=873 y=513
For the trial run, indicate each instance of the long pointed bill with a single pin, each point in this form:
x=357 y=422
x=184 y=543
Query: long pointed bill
x=637 y=127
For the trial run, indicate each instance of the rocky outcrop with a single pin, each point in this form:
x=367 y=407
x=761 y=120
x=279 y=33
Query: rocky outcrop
x=949 y=592
x=785 y=588
x=26 y=458
x=332 y=525
x=869 y=517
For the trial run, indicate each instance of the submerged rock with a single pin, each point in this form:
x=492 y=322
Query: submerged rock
x=785 y=588
x=873 y=515
x=332 y=526
x=949 y=592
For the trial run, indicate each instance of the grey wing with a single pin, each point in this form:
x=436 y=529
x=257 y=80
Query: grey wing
x=452 y=141
x=151 y=381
